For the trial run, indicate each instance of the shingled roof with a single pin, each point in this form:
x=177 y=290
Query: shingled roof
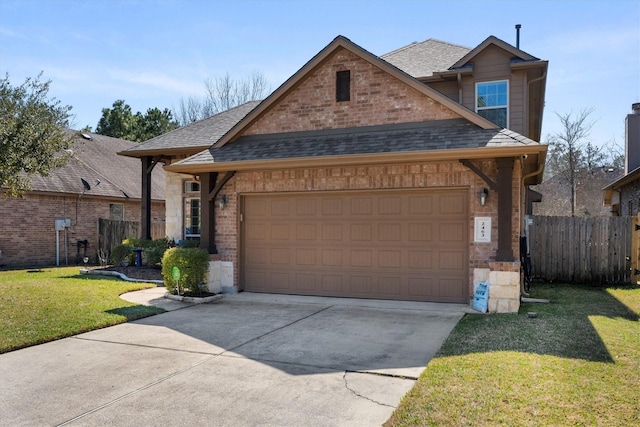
x=193 y=137
x=425 y=58
x=454 y=134
x=97 y=159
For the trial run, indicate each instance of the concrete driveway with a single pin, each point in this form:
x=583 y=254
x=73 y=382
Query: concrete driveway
x=248 y=359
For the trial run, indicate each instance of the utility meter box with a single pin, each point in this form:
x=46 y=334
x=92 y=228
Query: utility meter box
x=61 y=224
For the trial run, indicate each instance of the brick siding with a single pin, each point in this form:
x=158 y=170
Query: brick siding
x=376 y=98
x=630 y=197
x=27 y=226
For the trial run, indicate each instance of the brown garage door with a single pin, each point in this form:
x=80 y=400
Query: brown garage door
x=405 y=245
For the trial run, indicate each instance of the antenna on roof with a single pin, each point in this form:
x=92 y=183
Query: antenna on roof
x=518 y=26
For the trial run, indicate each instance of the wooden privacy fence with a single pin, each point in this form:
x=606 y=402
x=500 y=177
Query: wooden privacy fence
x=112 y=233
x=576 y=249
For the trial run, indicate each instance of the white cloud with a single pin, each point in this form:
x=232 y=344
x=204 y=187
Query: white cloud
x=156 y=81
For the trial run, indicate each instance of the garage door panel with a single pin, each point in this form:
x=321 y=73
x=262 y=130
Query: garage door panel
x=332 y=257
x=368 y=245
x=361 y=206
x=390 y=258
x=421 y=232
x=419 y=259
x=360 y=232
x=451 y=232
x=420 y=205
x=391 y=232
x=389 y=205
x=257 y=256
x=306 y=257
x=306 y=207
x=280 y=281
x=360 y=258
x=280 y=256
x=332 y=206
x=332 y=283
x=306 y=282
x=421 y=287
x=390 y=286
x=279 y=231
x=362 y=285
x=256 y=231
x=452 y=204
x=307 y=232
x=332 y=232
x=451 y=287
x=451 y=260
x=280 y=207
x=257 y=206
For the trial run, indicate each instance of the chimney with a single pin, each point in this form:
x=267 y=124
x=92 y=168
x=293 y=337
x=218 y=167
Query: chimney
x=518 y=26
x=632 y=140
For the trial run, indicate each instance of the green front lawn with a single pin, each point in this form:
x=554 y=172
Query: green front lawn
x=578 y=363
x=57 y=302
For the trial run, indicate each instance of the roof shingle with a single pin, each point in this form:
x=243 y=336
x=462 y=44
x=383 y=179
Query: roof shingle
x=406 y=137
x=197 y=135
x=426 y=58
x=97 y=158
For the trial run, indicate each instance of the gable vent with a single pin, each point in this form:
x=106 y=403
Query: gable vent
x=343 y=86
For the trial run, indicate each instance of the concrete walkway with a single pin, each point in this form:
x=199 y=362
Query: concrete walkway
x=248 y=359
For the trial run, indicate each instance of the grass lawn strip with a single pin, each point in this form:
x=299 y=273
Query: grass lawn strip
x=578 y=363
x=58 y=302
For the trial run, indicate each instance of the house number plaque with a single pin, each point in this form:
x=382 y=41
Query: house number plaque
x=482 y=229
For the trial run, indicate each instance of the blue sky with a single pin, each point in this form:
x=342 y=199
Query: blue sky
x=153 y=53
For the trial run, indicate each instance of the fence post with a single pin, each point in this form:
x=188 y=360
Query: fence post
x=635 y=249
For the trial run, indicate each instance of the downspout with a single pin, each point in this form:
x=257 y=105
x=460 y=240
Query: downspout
x=523 y=195
x=460 y=88
x=522 y=186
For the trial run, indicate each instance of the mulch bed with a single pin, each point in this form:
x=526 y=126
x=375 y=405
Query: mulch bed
x=144 y=272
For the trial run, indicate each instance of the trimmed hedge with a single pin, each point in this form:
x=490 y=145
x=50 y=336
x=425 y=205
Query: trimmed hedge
x=193 y=264
x=152 y=255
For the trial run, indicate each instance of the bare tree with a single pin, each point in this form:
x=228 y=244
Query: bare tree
x=222 y=93
x=571 y=154
x=614 y=153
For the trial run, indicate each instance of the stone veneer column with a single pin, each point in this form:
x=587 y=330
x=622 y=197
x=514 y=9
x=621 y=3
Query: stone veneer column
x=504 y=285
x=173 y=205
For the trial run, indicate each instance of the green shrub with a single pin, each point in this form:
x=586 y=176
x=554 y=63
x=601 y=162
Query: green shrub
x=192 y=243
x=193 y=264
x=153 y=249
x=122 y=253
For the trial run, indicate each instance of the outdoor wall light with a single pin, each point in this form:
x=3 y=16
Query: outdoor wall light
x=484 y=193
x=223 y=201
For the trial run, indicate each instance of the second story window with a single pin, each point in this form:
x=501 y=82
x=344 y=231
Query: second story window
x=492 y=101
x=343 y=86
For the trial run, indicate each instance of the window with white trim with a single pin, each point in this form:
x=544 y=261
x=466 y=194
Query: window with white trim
x=492 y=101
x=191 y=210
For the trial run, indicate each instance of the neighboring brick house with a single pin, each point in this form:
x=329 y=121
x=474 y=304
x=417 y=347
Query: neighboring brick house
x=623 y=195
x=365 y=176
x=28 y=224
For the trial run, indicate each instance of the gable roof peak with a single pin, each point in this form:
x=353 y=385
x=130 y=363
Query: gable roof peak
x=495 y=41
x=320 y=57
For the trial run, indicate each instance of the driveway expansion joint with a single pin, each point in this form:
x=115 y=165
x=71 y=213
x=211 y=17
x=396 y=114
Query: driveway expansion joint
x=136 y=391
x=146 y=346
x=276 y=329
